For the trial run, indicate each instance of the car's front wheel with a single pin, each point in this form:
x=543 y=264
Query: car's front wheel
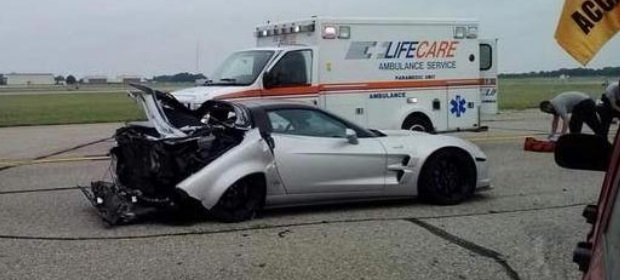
x=240 y=202
x=448 y=177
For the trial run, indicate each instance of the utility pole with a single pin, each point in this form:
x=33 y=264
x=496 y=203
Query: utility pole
x=197 y=70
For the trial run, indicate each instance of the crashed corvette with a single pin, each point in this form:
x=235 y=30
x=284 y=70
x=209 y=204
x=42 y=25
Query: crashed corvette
x=232 y=159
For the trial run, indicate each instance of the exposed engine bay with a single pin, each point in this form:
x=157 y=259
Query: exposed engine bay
x=151 y=158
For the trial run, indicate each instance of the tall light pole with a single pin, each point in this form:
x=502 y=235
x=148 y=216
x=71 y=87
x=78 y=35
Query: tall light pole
x=197 y=70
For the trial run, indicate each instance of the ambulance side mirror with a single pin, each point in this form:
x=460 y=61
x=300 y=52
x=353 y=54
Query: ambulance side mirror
x=268 y=80
x=583 y=152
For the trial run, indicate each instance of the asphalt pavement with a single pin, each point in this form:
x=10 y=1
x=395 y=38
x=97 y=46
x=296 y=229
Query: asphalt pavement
x=524 y=228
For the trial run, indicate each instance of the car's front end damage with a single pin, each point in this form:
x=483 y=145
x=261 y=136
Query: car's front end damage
x=226 y=159
x=151 y=158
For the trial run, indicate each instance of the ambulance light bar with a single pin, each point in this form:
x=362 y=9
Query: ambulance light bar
x=459 y=32
x=462 y=32
x=283 y=29
x=333 y=32
x=344 y=32
x=329 y=32
x=472 y=32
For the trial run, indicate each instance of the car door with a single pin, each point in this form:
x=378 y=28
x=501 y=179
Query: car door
x=313 y=154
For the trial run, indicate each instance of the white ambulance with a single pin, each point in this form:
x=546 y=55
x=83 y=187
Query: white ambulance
x=429 y=75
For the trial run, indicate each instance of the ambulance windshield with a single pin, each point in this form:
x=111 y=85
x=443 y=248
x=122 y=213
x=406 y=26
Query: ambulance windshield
x=241 y=68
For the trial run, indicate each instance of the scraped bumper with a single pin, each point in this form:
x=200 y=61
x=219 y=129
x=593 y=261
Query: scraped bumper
x=119 y=205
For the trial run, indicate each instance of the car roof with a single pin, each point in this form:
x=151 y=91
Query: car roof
x=259 y=107
x=272 y=104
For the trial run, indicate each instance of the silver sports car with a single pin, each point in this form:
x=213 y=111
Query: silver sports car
x=232 y=159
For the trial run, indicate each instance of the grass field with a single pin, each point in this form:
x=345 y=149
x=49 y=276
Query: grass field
x=58 y=105
x=85 y=88
x=67 y=108
x=527 y=93
x=41 y=105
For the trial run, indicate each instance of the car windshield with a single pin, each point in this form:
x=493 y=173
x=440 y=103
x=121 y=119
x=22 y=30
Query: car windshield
x=241 y=68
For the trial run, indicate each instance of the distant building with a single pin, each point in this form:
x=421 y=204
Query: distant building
x=95 y=80
x=29 y=79
x=126 y=79
x=200 y=82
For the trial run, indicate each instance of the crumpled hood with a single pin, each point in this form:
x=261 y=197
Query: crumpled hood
x=200 y=94
x=154 y=101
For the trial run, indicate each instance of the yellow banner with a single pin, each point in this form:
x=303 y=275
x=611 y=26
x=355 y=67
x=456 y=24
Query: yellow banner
x=586 y=25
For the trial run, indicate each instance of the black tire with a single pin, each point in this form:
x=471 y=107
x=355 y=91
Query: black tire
x=448 y=177
x=418 y=123
x=240 y=202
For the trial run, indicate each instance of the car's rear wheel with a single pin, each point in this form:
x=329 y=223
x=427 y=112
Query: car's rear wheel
x=240 y=202
x=448 y=177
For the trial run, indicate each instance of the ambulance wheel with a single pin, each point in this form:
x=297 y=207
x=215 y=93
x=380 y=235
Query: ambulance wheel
x=418 y=122
x=448 y=177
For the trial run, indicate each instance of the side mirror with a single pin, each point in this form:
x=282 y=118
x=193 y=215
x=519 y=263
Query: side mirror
x=351 y=136
x=583 y=151
x=268 y=80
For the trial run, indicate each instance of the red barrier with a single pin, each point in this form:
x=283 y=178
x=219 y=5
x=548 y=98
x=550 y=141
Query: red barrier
x=533 y=145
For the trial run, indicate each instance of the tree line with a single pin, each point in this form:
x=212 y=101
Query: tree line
x=176 y=78
x=179 y=78
x=572 y=72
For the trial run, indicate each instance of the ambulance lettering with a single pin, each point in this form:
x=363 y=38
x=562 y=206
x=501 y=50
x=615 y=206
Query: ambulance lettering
x=419 y=50
x=400 y=94
x=402 y=49
x=406 y=55
x=489 y=95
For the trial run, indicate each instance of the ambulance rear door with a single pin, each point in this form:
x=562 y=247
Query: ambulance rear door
x=463 y=104
x=488 y=76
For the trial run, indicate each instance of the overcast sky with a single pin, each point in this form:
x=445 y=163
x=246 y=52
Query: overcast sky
x=152 y=37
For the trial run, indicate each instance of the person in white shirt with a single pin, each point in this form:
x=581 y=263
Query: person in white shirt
x=611 y=106
x=574 y=108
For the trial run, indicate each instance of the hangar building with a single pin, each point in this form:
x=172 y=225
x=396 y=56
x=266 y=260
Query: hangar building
x=29 y=79
x=97 y=79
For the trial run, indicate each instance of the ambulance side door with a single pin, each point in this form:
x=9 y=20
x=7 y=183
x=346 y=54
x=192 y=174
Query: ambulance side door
x=292 y=77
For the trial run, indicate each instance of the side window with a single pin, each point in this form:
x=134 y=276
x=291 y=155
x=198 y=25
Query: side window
x=486 y=57
x=294 y=69
x=305 y=122
x=278 y=123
